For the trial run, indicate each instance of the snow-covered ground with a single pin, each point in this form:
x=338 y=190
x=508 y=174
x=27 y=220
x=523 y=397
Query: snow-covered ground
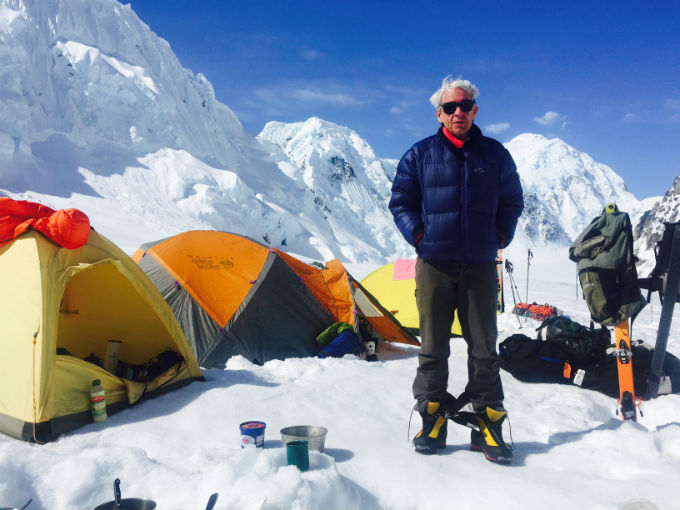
x=571 y=450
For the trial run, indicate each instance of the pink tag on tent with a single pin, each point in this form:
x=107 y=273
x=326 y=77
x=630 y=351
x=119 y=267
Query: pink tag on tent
x=404 y=269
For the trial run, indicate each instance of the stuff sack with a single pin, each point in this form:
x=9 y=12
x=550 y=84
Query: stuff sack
x=538 y=361
x=332 y=331
x=347 y=342
x=531 y=360
x=579 y=345
x=606 y=268
x=69 y=228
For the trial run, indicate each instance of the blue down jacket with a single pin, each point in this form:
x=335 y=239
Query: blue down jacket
x=465 y=202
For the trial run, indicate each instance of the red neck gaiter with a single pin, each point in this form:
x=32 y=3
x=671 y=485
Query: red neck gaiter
x=455 y=141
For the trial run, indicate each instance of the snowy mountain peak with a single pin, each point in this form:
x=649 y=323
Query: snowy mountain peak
x=300 y=138
x=650 y=228
x=531 y=139
x=569 y=185
x=333 y=150
x=350 y=185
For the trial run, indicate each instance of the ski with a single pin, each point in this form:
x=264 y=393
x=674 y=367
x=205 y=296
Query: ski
x=628 y=402
x=668 y=293
x=500 y=308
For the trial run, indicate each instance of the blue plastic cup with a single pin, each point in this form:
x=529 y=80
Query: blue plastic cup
x=252 y=433
x=297 y=453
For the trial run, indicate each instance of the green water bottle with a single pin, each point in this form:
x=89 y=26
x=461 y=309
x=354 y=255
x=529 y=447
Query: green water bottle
x=98 y=398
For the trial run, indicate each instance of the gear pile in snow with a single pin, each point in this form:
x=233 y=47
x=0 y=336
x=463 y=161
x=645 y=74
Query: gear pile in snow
x=536 y=311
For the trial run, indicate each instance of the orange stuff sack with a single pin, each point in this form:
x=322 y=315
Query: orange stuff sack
x=69 y=228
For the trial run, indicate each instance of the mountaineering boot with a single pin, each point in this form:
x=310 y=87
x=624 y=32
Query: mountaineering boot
x=476 y=440
x=490 y=430
x=433 y=434
x=487 y=432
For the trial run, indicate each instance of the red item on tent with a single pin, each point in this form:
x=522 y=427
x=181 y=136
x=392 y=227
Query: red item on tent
x=69 y=228
x=404 y=269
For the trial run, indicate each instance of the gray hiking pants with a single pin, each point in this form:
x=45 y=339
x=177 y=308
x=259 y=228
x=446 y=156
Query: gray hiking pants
x=473 y=290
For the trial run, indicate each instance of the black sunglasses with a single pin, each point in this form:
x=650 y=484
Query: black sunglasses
x=465 y=106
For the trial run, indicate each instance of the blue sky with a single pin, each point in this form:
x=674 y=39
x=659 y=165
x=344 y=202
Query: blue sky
x=602 y=76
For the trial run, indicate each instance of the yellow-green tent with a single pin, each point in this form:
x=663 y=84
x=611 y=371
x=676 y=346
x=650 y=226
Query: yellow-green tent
x=397 y=294
x=59 y=306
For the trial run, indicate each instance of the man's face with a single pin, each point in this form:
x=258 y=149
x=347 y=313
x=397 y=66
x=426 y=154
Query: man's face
x=459 y=122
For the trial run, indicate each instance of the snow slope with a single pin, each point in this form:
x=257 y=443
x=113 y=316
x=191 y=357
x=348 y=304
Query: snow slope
x=571 y=450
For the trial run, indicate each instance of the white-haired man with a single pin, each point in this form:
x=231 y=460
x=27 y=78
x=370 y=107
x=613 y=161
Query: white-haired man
x=456 y=198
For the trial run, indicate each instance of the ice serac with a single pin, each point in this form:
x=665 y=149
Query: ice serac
x=97 y=112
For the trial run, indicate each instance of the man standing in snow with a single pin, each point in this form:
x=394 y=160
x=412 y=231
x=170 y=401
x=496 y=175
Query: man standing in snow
x=456 y=198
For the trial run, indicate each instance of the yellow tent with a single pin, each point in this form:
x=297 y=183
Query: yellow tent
x=396 y=292
x=60 y=306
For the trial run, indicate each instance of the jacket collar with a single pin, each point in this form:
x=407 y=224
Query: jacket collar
x=474 y=136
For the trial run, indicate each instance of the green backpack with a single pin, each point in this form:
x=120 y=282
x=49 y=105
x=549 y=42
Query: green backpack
x=606 y=268
x=580 y=345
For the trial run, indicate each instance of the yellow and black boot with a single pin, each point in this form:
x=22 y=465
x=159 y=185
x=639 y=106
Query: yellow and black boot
x=489 y=435
x=433 y=434
x=476 y=440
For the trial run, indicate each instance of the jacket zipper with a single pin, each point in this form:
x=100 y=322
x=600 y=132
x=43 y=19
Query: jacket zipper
x=463 y=203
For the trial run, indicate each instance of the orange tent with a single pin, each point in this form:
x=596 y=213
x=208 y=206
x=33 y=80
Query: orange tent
x=347 y=300
x=353 y=301
x=233 y=295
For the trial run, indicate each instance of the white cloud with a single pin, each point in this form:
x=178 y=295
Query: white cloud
x=673 y=104
x=496 y=128
x=308 y=95
x=311 y=55
x=323 y=97
x=631 y=117
x=400 y=107
x=265 y=94
x=551 y=119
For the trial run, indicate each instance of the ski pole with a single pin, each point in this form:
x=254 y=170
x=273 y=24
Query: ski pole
x=529 y=257
x=577 y=283
x=508 y=269
x=515 y=291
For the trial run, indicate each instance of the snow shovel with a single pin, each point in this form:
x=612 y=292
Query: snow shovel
x=127 y=503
